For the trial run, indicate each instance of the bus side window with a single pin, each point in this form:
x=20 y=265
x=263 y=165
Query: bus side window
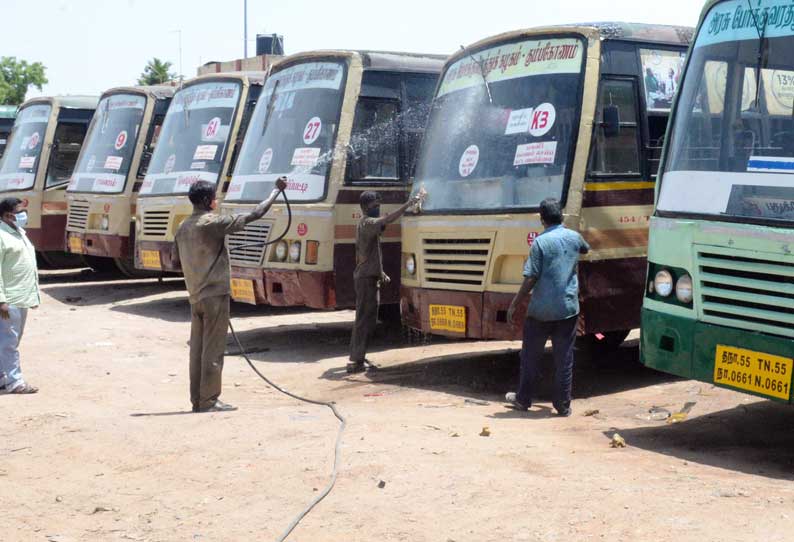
x=248 y=112
x=419 y=90
x=67 y=142
x=374 y=149
x=148 y=148
x=616 y=150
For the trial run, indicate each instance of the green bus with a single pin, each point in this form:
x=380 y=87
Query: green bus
x=719 y=299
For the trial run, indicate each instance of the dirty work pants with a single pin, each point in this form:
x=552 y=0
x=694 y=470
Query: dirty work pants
x=367 y=298
x=208 y=325
x=563 y=335
x=11 y=331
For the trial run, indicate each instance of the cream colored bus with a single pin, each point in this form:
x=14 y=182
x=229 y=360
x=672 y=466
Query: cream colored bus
x=38 y=162
x=576 y=113
x=336 y=123
x=103 y=191
x=200 y=141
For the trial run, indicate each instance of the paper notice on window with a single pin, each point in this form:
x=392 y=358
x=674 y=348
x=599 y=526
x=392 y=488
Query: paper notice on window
x=205 y=152
x=27 y=162
x=306 y=156
x=519 y=120
x=535 y=153
x=113 y=162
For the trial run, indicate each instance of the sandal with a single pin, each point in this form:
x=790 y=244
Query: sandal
x=24 y=389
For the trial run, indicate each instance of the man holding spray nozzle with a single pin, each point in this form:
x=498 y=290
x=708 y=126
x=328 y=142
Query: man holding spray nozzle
x=199 y=247
x=369 y=275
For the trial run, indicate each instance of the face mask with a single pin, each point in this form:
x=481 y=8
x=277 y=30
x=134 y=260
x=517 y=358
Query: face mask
x=22 y=219
x=374 y=212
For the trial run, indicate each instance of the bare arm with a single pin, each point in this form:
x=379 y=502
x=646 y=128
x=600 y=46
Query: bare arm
x=523 y=292
x=260 y=210
x=397 y=213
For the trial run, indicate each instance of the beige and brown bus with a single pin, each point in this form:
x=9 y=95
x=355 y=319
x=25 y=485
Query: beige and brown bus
x=200 y=140
x=576 y=113
x=335 y=123
x=104 y=188
x=38 y=162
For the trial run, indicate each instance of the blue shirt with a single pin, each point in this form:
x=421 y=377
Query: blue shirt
x=552 y=262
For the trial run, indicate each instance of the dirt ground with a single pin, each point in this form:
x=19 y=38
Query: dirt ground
x=108 y=449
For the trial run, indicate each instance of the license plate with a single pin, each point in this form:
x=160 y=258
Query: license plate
x=753 y=371
x=75 y=245
x=243 y=290
x=448 y=318
x=150 y=259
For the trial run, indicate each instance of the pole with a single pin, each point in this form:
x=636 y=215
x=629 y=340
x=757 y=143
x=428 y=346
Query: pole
x=245 y=28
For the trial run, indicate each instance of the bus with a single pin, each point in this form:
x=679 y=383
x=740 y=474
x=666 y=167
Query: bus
x=719 y=301
x=42 y=152
x=7 y=115
x=577 y=113
x=335 y=123
x=199 y=141
x=104 y=188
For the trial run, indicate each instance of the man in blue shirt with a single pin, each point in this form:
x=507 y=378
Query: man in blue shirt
x=551 y=275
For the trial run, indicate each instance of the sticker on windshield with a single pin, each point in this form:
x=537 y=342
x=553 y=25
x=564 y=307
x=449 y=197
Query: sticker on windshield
x=27 y=162
x=305 y=156
x=519 y=120
x=169 y=164
x=113 y=162
x=543 y=118
x=312 y=130
x=468 y=160
x=212 y=128
x=121 y=140
x=197 y=165
x=535 y=153
x=264 y=162
x=776 y=164
x=33 y=141
x=205 y=152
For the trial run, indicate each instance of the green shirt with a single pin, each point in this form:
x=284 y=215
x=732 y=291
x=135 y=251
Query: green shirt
x=19 y=277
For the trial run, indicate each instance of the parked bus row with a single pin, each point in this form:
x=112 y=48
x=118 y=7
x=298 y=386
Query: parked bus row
x=578 y=113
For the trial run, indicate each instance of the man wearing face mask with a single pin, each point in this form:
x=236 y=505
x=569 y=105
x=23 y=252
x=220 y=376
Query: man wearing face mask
x=199 y=247
x=369 y=274
x=19 y=291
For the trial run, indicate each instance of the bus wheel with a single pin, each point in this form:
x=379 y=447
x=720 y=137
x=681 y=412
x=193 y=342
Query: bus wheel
x=601 y=349
x=101 y=265
x=62 y=260
x=127 y=268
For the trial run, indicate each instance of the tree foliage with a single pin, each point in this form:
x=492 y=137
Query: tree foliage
x=156 y=73
x=16 y=76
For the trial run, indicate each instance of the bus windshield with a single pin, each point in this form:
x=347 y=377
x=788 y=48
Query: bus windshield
x=108 y=149
x=194 y=137
x=21 y=159
x=731 y=152
x=292 y=133
x=503 y=127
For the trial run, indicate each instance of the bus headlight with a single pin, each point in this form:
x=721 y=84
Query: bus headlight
x=105 y=223
x=663 y=283
x=281 y=251
x=410 y=265
x=683 y=289
x=295 y=252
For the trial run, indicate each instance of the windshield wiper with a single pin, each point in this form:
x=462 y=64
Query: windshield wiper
x=482 y=74
x=271 y=102
x=760 y=56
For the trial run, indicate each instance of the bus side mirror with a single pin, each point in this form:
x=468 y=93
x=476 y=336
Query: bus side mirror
x=143 y=166
x=611 y=122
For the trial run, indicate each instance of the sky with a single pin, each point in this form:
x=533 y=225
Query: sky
x=89 y=46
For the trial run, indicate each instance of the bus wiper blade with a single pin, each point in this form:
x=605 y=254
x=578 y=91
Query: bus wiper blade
x=270 y=104
x=760 y=57
x=482 y=73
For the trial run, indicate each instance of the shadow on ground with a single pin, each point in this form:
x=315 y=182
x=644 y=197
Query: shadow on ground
x=754 y=438
x=96 y=292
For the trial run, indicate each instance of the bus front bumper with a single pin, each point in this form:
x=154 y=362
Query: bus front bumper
x=686 y=347
x=155 y=256
x=98 y=244
x=483 y=314
x=284 y=288
x=49 y=237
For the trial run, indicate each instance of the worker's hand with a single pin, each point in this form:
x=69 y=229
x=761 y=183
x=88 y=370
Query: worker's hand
x=281 y=183
x=385 y=279
x=511 y=315
x=4 y=314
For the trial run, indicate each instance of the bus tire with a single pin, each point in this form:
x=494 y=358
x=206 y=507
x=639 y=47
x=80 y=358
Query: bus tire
x=127 y=268
x=601 y=349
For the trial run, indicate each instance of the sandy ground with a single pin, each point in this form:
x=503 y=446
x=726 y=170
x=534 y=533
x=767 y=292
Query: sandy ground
x=109 y=451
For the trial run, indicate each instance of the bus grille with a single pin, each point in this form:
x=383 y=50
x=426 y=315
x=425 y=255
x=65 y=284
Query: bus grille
x=78 y=216
x=746 y=290
x=455 y=263
x=155 y=223
x=255 y=232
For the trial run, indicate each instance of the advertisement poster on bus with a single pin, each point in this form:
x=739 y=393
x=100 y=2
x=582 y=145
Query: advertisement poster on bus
x=661 y=75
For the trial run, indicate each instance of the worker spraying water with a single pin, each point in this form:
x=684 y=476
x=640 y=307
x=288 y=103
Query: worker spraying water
x=199 y=247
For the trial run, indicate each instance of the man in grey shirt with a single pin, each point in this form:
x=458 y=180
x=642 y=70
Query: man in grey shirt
x=551 y=275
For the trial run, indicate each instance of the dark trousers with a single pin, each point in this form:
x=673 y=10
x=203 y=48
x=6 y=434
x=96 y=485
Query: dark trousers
x=563 y=335
x=208 y=325
x=367 y=298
